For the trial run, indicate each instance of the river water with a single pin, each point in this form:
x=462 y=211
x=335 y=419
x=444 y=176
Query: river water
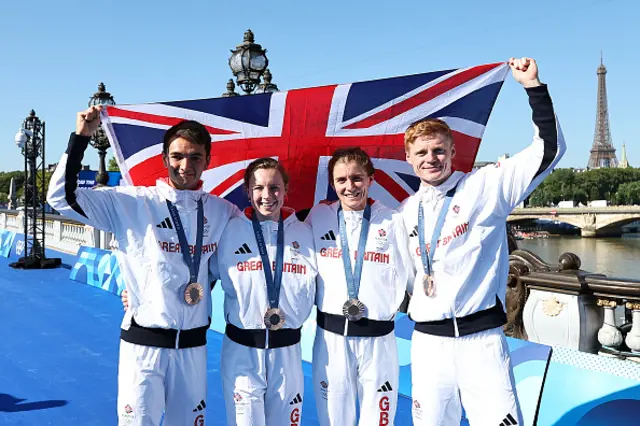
x=614 y=257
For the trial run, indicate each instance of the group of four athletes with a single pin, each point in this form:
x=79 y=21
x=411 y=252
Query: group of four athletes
x=355 y=259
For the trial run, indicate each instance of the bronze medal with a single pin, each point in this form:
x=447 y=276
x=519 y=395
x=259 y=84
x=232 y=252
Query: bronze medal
x=429 y=285
x=274 y=319
x=193 y=293
x=353 y=310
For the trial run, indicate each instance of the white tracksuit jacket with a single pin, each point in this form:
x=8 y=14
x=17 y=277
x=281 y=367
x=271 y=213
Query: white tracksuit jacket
x=154 y=271
x=152 y=266
x=242 y=277
x=264 y=386
x=384 y=275
x=471 y=261
x=351 y=368
x=459 y=353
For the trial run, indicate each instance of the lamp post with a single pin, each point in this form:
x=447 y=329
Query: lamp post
x=248 y=62
x=31 y=140
x=99 y=139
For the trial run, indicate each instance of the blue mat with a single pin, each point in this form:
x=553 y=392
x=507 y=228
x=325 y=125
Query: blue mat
x=59 y=354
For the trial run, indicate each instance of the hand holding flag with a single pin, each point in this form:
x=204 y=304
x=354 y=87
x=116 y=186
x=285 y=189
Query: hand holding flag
x=88 y=121
x=525 y=71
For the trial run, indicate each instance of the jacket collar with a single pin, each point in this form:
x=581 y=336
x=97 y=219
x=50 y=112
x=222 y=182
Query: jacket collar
x=440 y=190
x=285 y=212
x=178 y=196
x=336 y=204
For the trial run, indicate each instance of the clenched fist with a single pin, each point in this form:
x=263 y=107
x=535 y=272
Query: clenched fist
x=88 y=121
x=525 y=71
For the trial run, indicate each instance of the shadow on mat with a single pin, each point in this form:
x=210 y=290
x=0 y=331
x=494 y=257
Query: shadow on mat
x=11 y=404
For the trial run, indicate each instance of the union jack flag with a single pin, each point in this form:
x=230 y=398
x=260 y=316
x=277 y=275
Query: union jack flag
x=301 y=128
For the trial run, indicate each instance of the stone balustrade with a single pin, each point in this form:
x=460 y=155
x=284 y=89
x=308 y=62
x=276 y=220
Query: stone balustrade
x=563 y=305
x=61 y=233
x=49 y=228
x=12 y=222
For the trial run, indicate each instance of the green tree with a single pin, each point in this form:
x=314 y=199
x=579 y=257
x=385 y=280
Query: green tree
x=602 y=184
x=5 y=180
x=558 y=186
x=628 y=193
x=4 y=198
x=538 y=198
x=598 y=184
x=47 y=178
x=579 y=196
x=113 y=165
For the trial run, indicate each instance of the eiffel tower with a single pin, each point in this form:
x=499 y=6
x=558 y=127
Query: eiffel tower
x=603 y=154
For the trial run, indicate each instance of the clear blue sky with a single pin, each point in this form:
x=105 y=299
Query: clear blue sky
x=53 y=54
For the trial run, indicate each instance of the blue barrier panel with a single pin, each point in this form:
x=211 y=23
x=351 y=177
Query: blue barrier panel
x=587 y=390
x=529 y=363
x=17 y=251
x=6 y=242
x=87 y=178
x=98 y=268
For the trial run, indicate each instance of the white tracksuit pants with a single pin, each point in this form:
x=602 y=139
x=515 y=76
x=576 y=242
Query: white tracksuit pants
x=262 y=387
x=474 y=370
x=155 y=380
x=348 y=369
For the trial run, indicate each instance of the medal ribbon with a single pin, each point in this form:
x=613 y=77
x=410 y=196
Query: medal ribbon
x=193 y=264
x=273 y=283
x=353 y=276
x=428 y=259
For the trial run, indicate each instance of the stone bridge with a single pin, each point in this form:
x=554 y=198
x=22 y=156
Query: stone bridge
x=592 y=221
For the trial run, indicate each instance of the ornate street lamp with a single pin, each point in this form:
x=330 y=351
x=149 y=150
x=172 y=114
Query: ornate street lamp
x=248 y=62
x=30 y=139
x=99 y=140
x=267 y=86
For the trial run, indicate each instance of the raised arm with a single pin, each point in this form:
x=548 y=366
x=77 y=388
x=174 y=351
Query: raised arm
x=93 y=207
x=513 y=179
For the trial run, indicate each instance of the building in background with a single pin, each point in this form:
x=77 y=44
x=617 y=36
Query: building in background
x=481 y=164
x=602 y=153
x=624 y=163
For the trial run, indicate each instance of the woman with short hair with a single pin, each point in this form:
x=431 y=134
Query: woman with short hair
x=361 y=248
